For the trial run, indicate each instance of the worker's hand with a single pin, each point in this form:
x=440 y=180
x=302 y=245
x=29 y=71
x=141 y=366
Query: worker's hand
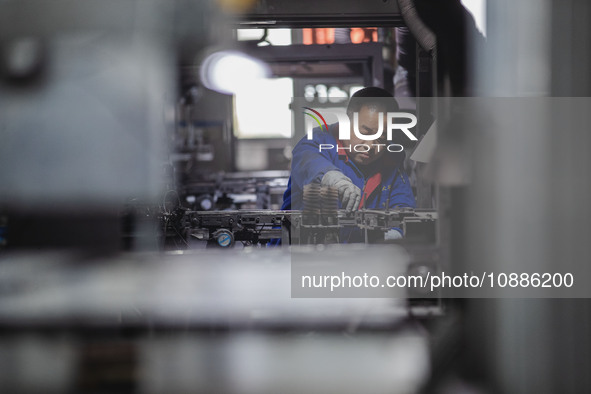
x=392 y=234
x=349 y=194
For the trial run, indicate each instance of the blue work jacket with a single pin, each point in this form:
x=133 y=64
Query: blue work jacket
x=387 y=185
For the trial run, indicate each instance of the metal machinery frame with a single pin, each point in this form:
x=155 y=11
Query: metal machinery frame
x=330 y=13
x=224 y=228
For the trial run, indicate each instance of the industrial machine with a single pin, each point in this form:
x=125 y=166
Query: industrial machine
x=252 y=227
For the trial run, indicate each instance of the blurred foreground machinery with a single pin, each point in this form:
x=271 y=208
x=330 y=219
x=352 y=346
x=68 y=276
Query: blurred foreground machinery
x=86 y=99
x=215 y=321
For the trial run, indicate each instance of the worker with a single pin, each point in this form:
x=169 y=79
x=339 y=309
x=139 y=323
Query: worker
x=366 y=173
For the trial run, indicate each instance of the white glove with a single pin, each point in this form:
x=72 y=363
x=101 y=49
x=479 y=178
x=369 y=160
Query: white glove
x=349 y=194
x=392 y=234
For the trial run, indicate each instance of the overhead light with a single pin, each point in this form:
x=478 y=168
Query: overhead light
x=230 y=71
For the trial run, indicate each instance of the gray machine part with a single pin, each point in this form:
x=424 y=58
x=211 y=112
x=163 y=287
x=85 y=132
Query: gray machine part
x=86 y=96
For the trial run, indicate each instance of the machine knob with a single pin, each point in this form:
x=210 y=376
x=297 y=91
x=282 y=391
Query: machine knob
x=224 y=238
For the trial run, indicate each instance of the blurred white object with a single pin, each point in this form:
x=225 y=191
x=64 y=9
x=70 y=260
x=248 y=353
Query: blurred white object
x=231 y=71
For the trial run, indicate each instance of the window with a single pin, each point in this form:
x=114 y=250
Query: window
x=264 y=112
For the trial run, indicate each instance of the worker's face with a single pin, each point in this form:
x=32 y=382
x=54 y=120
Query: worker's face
x=369 y=123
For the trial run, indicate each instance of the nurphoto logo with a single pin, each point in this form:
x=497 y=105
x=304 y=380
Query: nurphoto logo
x=396 y=122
